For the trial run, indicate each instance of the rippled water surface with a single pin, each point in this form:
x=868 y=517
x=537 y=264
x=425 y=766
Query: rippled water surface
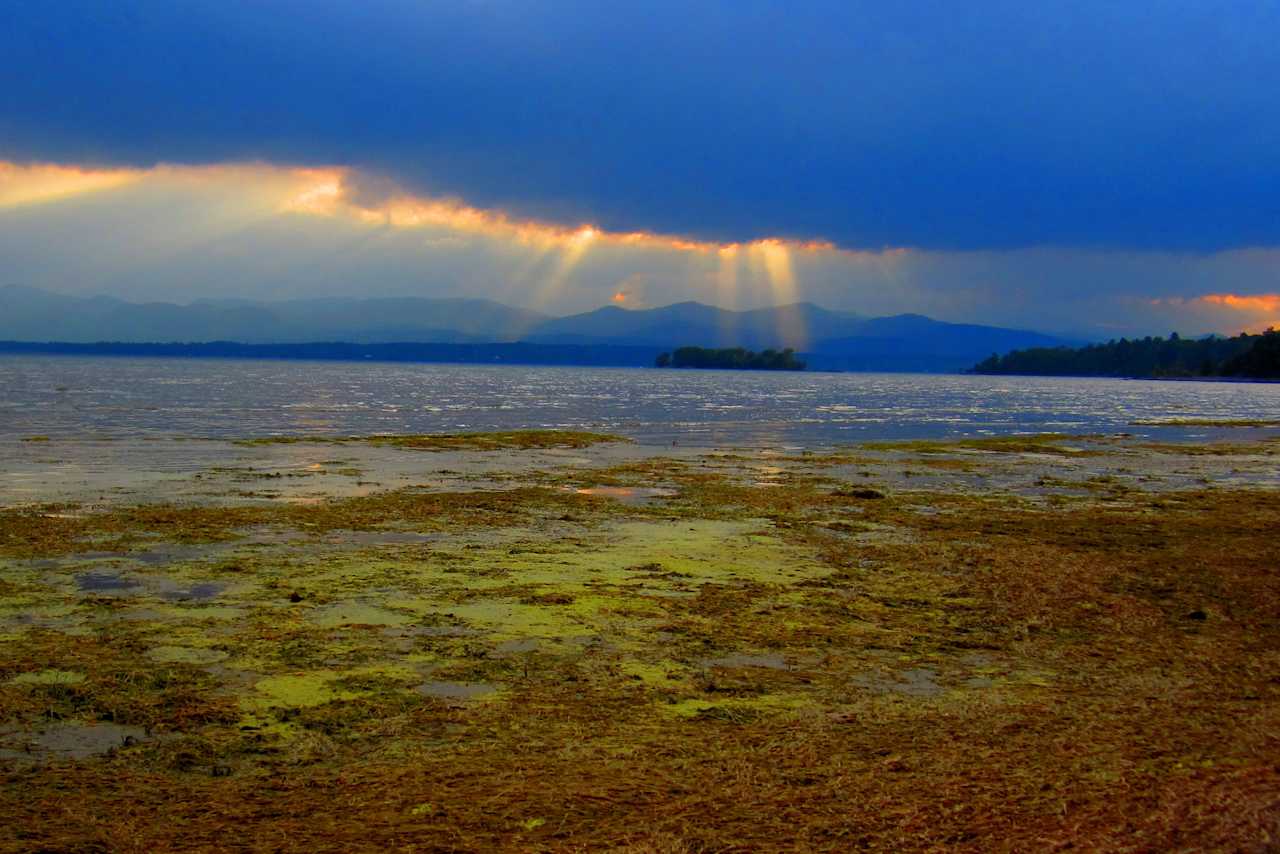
x=63 y=396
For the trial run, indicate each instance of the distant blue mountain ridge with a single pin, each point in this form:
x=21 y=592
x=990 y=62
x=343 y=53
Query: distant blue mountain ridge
x=830 y=340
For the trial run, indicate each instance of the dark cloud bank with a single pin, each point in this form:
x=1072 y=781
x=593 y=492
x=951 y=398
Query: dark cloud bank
x=936 y=125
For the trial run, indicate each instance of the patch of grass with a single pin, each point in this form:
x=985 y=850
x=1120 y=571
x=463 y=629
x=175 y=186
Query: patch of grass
x=1043 y=443
x=55 y=676
x=56 y=530
x=484 y=441
x=1211 y=449
x=1206 y=422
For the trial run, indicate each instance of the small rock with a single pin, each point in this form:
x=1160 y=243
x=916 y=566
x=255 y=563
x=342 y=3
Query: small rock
x=295 y=596
x=859 y=492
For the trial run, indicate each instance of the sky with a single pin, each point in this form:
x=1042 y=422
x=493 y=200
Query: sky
x=1094 y=168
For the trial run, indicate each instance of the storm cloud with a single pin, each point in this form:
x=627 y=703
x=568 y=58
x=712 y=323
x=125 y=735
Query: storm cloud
x=1095 y=126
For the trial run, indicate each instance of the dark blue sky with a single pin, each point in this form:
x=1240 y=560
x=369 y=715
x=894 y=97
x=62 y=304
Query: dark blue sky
x=937 y=125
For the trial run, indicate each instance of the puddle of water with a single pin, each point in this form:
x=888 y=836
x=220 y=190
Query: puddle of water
x=773 y=661
x=201 y=592
x=168 y=555
x=633 y=495
x=140 y=615
x=456 y=690
x=517 y=646
x=432 y=631
x=104 y=582
x=915 y=682
x=377 y=538
x=67 y=741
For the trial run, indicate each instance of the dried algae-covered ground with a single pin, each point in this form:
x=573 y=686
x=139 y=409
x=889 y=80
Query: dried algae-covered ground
x=1022 y=644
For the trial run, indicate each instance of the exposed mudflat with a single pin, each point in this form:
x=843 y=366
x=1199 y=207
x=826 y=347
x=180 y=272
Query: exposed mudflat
x=995 y=644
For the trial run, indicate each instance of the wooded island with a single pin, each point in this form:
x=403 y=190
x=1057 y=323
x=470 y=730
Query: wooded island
x=732 y=358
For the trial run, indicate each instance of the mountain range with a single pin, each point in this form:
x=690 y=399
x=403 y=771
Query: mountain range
x=829 y=339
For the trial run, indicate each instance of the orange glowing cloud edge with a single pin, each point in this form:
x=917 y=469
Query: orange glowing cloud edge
x=1258 y=303
x=43 y=182
x=327 y=191
x=330 y=195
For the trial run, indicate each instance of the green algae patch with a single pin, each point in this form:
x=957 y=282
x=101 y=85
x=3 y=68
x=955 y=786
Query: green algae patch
x=667 y=553
x=661 y=674
x=27 y=607
x=511 y=618
x=296 y=690
x=49 y=677
x=701 y=551
x=219 y=613
x=312 y=689
x=356 y=614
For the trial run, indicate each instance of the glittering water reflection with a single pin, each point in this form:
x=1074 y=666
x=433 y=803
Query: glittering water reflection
x=160 y=398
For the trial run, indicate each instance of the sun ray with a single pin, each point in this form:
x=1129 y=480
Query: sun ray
x=571 y=255
x=773 y=257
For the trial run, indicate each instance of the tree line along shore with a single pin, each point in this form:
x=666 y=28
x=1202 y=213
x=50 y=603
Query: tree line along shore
x=1244 y=356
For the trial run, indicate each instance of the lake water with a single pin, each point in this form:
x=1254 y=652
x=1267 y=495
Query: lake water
x=67 y=396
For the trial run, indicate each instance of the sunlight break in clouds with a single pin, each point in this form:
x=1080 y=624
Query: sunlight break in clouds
x=29 y=185
x=1269 y=303
x=1262 y=310
x=269 y=228
x=258 y=230
x=1259 y=305
x=328 y=196
x=770 y=260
